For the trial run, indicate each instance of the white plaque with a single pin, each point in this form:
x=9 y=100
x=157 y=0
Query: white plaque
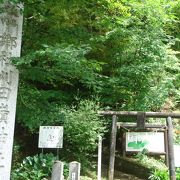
x=152 y=141
x=50 y=137
x=10 y=45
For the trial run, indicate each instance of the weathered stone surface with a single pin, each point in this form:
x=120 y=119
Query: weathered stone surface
x=10 y=44
x=57 y=171
x=74 y=171
x=11 y=30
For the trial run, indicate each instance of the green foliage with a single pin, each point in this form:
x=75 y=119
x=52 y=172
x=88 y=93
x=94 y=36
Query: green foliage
x=120 y=51
x=34 y=167
x=17 y=154
x=60 y=65
x=135 y=53
x=150 y=162
x=34 y=109
x=176 y=125
x=159 y=171
x=81 y=123
x=159 y=175
x=81 y=129
x=178 y=173
x=51 y=78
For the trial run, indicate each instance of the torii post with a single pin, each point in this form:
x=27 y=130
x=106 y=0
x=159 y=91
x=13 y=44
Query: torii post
x=141 y=122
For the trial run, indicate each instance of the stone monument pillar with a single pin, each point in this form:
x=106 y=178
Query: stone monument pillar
x=10 y=45
x=74 y=170
x=57 y=171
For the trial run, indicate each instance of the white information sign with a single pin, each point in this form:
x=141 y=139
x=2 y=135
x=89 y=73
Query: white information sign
x=50 y=137
x=152 y=141
x=177 y=155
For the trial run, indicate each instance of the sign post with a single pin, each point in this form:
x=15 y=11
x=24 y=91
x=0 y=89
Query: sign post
x=99 y=157
x=10 y=46
x=172 y=171
x=112 y=147
x=52 y=137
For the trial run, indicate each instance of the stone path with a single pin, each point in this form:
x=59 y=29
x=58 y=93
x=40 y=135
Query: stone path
x=122 y=176
x=118 y=175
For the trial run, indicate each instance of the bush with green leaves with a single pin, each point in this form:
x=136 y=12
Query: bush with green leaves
x=150 y=162
x=82 y=125
x=159 y=171
x=159 y=174
x=34 y=167
x=178 y=173
x=57 y=74
x=176 y=124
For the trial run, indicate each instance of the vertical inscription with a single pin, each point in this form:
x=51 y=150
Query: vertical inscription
x=7 y=41
x=4 y=58
x=10 y=45
x=8 y=21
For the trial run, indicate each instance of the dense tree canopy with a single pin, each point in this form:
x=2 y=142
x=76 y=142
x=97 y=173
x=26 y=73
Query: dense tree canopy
x=120 y=51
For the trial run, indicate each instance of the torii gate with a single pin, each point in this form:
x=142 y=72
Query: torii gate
x=141 y=123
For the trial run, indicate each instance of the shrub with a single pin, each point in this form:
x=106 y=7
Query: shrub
x=82 y=126
x=177 y=173
x=159 y=174
x=150 y=162
x=34 y=167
